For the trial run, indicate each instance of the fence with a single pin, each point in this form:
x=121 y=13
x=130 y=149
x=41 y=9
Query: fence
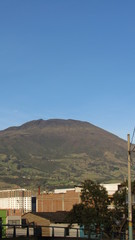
x=13 y=231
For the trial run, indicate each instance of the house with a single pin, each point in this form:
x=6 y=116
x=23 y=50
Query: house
x=51 y=223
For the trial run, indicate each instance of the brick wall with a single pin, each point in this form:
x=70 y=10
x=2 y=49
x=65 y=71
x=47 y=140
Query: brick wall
x=53 y=202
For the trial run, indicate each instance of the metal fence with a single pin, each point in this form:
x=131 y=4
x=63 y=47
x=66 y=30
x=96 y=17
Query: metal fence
x=13 y=231
x=9 y=231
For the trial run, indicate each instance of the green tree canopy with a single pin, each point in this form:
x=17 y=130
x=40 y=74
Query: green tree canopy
x=94 y=195
x=119 y=200
x=94 y=206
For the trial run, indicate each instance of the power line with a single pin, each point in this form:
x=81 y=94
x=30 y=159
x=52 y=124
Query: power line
x=131 y=143
x=133 y=136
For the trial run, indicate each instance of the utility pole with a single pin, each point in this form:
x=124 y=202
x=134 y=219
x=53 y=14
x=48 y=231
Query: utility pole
x=130 y=228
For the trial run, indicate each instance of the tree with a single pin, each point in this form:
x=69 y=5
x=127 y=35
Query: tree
x=119 y=200
x=94 y=206
x=76 y=214
x=121 y=206
x=95 y=198
x=120 y=211
x=94 y=195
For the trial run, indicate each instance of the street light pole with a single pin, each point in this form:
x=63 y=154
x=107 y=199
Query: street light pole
x=129 y=192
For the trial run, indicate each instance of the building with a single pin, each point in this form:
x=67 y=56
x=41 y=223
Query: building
x=64 y=199
x=111 y=188
x=51 y=224
x=59 y=200
x=16 y=201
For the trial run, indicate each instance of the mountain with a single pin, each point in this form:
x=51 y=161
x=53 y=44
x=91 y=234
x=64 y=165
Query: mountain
x=60 y=153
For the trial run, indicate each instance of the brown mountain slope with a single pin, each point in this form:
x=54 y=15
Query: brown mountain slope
x=57 y=153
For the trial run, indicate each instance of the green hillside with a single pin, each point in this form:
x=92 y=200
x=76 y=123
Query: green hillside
x=60 y=153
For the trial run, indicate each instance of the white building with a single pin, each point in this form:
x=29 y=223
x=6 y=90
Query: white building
x=64 y=190
x=111 y=188
x=16 y=199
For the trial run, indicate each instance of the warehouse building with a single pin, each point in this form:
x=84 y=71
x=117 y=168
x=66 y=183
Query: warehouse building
x=16 y=200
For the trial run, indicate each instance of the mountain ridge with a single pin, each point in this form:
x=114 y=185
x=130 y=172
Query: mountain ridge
x=40 y=121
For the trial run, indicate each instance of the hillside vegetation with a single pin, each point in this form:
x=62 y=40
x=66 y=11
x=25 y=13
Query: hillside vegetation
x=60 y=153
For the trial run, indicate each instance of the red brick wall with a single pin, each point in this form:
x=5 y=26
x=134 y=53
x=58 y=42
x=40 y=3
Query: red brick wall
x=52 y=202
x=14 y=212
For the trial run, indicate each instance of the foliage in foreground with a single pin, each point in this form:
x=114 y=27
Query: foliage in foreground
x=93 y=208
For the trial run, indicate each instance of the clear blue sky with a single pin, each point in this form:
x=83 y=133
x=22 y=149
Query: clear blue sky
x=69 y=59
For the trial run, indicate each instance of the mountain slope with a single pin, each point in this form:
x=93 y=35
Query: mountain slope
x=58 y=152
